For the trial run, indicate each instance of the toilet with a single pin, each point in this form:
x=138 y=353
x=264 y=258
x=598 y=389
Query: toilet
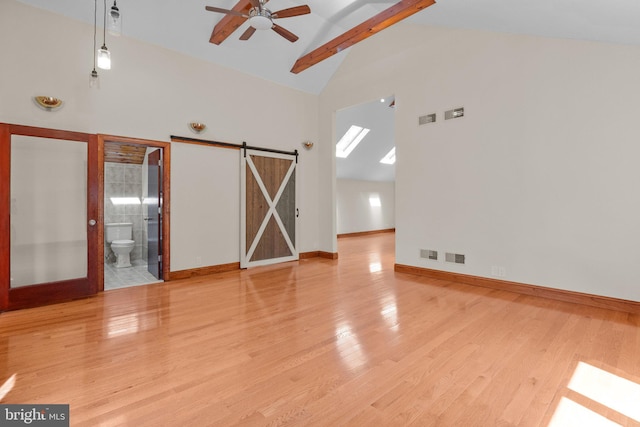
x=119 y=235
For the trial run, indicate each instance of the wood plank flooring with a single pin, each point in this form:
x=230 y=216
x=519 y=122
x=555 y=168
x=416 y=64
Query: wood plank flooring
x=327 y=343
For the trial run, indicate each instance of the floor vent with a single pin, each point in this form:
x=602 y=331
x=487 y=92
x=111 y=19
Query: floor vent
x=429 y=118
x=429 y=254
x=455 y=258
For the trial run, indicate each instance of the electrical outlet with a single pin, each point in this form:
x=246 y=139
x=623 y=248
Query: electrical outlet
x=498 y=271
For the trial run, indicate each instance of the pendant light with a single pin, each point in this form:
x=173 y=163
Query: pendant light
x=93 y=79
x=115 y=20
x=104 y=56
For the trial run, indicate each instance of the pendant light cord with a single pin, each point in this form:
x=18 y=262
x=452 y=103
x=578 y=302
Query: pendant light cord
x=104 y=27
x=95 y=24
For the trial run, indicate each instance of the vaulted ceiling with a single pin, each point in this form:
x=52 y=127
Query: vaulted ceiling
x=326 y=33
x=186 y=26
x=237 y=16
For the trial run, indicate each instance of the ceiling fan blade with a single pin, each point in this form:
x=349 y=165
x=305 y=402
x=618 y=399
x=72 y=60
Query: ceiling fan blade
x=227 y=11
x=255 y=3
x=292 y=11
x=248 y=33
x=284 y=33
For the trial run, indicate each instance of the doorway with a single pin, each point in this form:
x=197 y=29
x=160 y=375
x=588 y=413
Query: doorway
x=365 y=167
x=135 y=210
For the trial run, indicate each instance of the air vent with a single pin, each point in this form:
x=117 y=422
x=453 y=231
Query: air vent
x=429 y=118
x=455 y=258
x=429 y=254
x=454 y=114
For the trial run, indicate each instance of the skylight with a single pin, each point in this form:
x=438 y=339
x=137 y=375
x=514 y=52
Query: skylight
x=390 y=158
x=350 y=140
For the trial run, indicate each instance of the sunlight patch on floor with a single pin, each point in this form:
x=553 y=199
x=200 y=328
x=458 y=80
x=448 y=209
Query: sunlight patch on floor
x=570 y=413
x=602 y=387
x=608 y=389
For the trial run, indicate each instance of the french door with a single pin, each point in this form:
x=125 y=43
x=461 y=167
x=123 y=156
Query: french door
x=268 y=221
x=49 y=218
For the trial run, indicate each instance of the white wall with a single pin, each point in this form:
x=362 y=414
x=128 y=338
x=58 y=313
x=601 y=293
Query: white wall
x=153 y=93
x=540 y=177
x=355 y=210
x=209 y=243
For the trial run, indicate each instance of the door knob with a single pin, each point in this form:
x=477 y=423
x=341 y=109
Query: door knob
x=92 y=222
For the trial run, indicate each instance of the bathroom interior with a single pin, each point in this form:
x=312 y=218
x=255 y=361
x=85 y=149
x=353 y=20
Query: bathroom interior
x=126 y=198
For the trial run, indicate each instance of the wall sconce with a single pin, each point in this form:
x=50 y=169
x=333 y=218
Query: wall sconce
x=197 y=127
x=308 y=145
x=48 y=102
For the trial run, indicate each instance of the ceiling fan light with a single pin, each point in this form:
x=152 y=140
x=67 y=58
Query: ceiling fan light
x=260 y=22
x=104 y=58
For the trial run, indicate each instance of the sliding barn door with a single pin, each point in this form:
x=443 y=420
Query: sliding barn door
x=268 y=208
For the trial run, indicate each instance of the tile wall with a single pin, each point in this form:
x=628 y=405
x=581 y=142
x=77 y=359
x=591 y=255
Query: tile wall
x=125 y=180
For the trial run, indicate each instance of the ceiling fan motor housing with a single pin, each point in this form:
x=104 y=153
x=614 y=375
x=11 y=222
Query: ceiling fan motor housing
x=260 y=19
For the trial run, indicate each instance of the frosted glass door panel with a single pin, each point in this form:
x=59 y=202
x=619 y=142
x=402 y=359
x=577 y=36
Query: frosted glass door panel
x=48 y=210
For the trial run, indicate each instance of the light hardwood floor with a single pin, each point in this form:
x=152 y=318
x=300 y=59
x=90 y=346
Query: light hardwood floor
x=327 y=343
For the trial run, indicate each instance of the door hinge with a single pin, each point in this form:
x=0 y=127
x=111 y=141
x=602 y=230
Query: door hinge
x=159 y=258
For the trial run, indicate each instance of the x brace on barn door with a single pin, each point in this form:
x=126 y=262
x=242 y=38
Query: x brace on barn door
x=268 y=208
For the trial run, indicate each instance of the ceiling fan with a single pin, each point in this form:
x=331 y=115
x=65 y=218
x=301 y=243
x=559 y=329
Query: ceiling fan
x=261 y=18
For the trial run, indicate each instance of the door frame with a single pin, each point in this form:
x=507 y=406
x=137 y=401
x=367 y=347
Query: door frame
x=166 y=199
x=47 y=293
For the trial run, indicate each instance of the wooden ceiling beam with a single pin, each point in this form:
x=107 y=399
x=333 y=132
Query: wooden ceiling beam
x=229 y=23
x=115 y=152
x=396 y=13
